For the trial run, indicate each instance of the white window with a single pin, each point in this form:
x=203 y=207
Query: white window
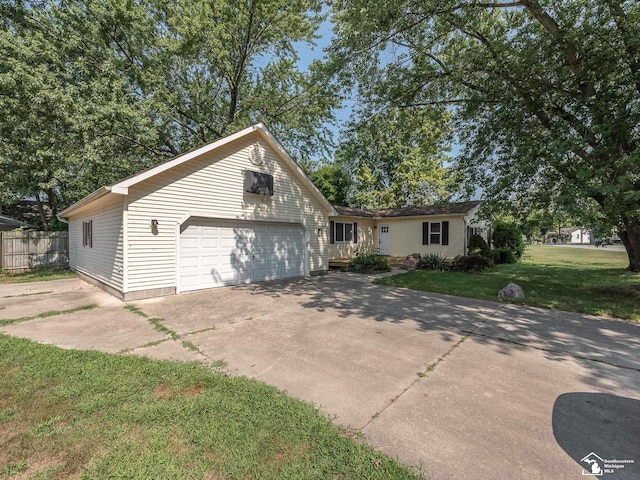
x=343 y=232
x=434 y=233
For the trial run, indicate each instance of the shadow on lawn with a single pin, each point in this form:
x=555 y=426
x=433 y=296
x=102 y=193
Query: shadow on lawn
x=594 y=342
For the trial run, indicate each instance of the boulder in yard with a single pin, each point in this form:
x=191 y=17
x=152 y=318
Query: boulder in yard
x=410 y=263
x=511 y=291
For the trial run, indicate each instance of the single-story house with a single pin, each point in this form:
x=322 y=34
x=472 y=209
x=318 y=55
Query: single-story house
x=7 y=224
x=570 y=235
x=398 y=232
x=237 y=210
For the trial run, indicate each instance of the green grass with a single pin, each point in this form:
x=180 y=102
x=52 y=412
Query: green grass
x=35 y=276
x=66 y=413
x=571 y=279
x=52 y=313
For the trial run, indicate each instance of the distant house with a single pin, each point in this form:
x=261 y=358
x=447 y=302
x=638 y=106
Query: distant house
x=580 y=236
x=398 y=232
x=7 y=224
x=571 y=235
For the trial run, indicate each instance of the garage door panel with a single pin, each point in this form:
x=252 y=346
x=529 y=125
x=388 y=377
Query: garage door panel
x=216 y=253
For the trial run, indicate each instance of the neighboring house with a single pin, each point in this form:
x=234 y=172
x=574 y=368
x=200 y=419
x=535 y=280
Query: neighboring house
x=397 y=232
x=237 y=210
x=7 y=224
x=570 y=235
x=580 y=236
x=28 y=212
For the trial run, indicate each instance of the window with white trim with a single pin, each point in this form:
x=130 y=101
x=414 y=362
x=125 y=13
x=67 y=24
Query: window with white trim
x=434 y=233
x=343 y=232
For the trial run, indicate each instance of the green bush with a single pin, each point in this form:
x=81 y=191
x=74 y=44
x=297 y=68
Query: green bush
x=472 y=263
x=503 y=255
x=433 y=261
x=508 y=235
x=369 y=262
x=477 y=244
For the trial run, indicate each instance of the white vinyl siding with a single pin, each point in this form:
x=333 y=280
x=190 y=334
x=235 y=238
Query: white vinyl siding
x=365 y=242
x=212 y=186
x=103 y=257
x=407 y=235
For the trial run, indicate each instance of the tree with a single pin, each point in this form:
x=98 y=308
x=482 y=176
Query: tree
x=334 y=183
x=92 y=91
x=398 y=158
x=545 y=95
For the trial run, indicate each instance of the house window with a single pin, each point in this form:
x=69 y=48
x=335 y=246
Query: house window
x=435 y=233
x=87 y=234
x=475 y=231
x=343 y=232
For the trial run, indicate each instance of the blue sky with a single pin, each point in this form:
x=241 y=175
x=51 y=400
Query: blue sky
x=308 y=54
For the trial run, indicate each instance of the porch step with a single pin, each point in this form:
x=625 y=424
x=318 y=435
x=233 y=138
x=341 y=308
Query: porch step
x=344 y=262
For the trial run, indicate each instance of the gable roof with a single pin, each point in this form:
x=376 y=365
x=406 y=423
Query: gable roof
x=460 y=208
x=122 y=187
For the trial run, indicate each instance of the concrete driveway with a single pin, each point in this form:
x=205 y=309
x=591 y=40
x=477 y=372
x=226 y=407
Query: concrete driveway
x=459 y=388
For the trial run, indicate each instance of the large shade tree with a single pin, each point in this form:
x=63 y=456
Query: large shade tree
x=545 y=94
x=397 y=157
x=94 y=90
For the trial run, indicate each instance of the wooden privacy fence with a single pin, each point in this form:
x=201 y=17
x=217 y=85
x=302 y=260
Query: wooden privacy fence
x=24 y=251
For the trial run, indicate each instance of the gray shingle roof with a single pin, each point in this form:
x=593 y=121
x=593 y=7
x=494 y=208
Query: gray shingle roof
x=459 y=208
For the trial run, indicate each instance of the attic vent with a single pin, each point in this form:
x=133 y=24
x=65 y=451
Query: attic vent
x=256 y=182
x=256 y=154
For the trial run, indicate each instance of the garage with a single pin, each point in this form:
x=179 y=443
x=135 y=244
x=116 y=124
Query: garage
x=217 y=252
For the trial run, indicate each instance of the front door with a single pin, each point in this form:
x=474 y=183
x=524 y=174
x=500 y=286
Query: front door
x=384 y=239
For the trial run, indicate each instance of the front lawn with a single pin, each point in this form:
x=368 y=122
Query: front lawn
x=38 y=275
x=562 y=278
x=72 y=414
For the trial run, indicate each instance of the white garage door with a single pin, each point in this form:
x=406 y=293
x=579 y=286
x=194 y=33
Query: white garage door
x=214 y=253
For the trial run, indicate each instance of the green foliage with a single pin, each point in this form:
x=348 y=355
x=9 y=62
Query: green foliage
x=94 y=91
x=369 y=262
x=477 y=244
x=432 y=261
x=508 y=235
x=472 y=263
x=545 y=96
x=503 y=255
x=334 y=183
x=560 y=278
x=398 y=157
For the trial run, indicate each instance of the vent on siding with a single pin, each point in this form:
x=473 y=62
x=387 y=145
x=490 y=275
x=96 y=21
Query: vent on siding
x=256 y=182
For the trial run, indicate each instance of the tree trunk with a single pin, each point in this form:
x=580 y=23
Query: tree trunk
x=630 y=237
x=43 y=217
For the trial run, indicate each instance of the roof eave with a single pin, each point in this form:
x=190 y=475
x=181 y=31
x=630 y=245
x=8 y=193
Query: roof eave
x=101 y=192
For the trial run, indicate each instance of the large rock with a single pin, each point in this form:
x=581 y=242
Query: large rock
x=410 y=263
x=511 y=291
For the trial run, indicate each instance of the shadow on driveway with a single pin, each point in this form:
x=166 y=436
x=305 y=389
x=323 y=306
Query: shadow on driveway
x=602 y=424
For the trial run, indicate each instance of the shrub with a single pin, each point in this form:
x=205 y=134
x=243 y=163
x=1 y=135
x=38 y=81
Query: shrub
x=369 y=262
x=477 y=244
x=472 y=263
x=433 y=261
x=508 y=235
x=503 y=255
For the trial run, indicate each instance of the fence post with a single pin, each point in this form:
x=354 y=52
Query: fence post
x=1 y=251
